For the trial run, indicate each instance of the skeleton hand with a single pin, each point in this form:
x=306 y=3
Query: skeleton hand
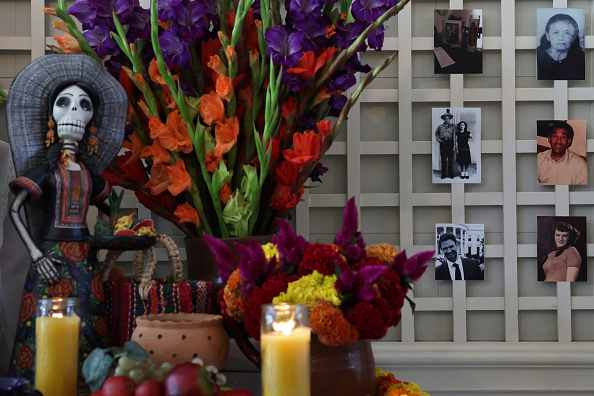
x=47 y=270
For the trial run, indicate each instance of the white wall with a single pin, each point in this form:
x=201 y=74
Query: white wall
x=509 y=334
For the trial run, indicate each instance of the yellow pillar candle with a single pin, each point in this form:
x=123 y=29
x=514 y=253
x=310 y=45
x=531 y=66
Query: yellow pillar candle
x=284 y=342
x=56 y=361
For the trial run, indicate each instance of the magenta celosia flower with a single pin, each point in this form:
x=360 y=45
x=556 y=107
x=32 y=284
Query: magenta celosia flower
x=413 y=267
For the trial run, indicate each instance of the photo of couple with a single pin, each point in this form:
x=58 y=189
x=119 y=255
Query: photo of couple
x=456 y=145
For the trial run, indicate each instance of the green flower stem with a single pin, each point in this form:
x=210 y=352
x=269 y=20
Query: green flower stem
x=3 y=96
x=62 y=13
x=197 y=201
x=275 y=11
x=137 y=124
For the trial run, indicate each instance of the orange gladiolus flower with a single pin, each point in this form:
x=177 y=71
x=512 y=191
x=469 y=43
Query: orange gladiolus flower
x=217 y=65
x=305 y=66
x=324 y=127
x=321 y=95
x=143 y=107
x=330 y=31
x=165 y=25
x=136 y=145
x=226 y=133
x=224 y=87
x=284 y=200
x=231 y=54
x=173 y=135
x=254 y=55
x=60 y=25
x=307 y=147
x=154 y=73
x=157 y=153
x=288 y=107
x=225 y=193
x=50 y=11
x=139 y=78
x=159 y=179
x=245 y=95
x=68 y=44
x=211 y=161
x=211 y=108
x=180 y=178
x=286 y=173
x=187 y=214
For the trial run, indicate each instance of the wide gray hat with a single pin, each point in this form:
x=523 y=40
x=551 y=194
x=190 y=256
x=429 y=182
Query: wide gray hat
x=27 y=109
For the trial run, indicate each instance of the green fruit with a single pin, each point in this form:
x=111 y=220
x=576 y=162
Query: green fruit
x=102 y=228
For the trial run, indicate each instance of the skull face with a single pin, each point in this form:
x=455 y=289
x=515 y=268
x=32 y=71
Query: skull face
x=72 y=112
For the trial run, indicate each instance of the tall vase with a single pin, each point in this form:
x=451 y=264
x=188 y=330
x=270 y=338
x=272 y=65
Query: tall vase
x=335 y=371
x=202 y=263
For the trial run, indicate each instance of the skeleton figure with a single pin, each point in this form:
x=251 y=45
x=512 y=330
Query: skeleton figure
x=57 y=181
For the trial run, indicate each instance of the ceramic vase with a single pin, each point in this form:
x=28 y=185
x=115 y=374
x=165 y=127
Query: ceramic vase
x=181 y=337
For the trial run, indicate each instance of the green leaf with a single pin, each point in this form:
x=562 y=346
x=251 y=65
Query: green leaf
x=96 y=368
x=236 y=214
x=220 y=177
x=135 y=352
x=205 y=381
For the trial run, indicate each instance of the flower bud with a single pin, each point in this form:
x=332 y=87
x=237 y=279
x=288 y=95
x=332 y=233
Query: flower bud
x=231 y=54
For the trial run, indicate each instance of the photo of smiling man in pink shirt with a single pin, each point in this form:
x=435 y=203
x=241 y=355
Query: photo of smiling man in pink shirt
x=559 y=165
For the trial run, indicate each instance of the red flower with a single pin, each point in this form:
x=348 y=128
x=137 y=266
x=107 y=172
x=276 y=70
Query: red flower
x=101 y=327
x=389 y=287
x=307 y=147
x=24 y=357
x=28 y=307
x=97 y=288
x=131 y=169
x=63 y=288
x=369 y=320
x=286 y=173
x=264 y=295
x=284 y=200
x=74 y=251
x=321 y=258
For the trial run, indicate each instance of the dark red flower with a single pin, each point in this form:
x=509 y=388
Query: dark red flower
x=369 y=321
x=101 y=326
x=97 y=288
x=28 y=307
x=284 y=200
x=286 y=173
x=134 y=170
x=63 y=288
x=25 y=357
x=74 y=251
x=321 y=258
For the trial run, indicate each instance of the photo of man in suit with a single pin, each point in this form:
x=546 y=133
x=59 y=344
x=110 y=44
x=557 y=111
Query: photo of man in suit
x=451 y=266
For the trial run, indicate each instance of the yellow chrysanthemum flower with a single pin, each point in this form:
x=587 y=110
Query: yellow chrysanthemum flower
x=270 y=251
x=310 y=288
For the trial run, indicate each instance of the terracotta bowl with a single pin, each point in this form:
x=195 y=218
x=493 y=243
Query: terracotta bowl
x=181 y=337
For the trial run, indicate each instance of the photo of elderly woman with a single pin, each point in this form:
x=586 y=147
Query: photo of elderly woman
x=561 y=249
x=560 y=52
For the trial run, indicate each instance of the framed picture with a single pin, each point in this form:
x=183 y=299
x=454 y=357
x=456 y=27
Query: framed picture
x=452 y=33
x=460 y=251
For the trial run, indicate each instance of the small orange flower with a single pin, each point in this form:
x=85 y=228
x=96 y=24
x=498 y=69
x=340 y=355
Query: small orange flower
x=157 y=153
x=224 y=87
x=179 y=177
x=187 y=214
x=154 y=73
x=254 y=55
x=135 y=144
x=217 y=65
x=60 y=26
x=159 y=179
x=50 y=11
x=225 y=193
x=231 y=54
x=165 y=25
x=139 y=78
x=321 y=96
x=324 y=127
x=330 y=31
x=173 y=135
x=211 y=108
x=226 y=133
x=143 y=107
x=211 y=161
x=68 y=44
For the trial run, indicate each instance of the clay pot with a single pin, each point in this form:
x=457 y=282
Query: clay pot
x=181 y=337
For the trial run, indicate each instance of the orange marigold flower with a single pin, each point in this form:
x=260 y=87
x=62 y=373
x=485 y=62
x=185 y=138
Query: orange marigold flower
x=382 y=251
x=159 y=179
x=225 y=193
x=211 y=108
x=224 y=87
x=180 y=178
x=217 y=65
x=226 y=133
x=234 y=298
x=68 y=44
x=383 y=383
x=187 y=214
x=332 y=327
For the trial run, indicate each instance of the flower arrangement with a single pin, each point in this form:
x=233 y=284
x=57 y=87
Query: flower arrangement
x=353 y=291
x=387 y=385
x=228 y=100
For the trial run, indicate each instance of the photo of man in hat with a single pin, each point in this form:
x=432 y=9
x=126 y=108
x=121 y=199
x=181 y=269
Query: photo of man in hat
x=445 y=134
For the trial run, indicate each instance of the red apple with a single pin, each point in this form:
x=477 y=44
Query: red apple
x=149 y=388
x=118 y=385
x=188 y=379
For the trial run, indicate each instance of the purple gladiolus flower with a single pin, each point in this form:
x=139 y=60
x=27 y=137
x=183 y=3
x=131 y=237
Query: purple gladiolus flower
x=293 y=82
x=100 y=40
x=354 y=65
x=190 y=21
x=336 y=104
x=285 y=47
x=166 y=11
x=139 y=24
x=175 y=51
x=301 y=9
x=315 y=32
x=376 y=39
x=368 y=10
x=307 y=121
x=85 y=12
x=345 y=35
x=318 y=171
x=342 y=83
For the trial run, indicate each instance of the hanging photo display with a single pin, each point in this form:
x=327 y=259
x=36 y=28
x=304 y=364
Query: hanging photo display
x=561 y=248
x=561 y=152
x=460 y=251
x=458 y=41
x=456 y=147
x=560 y=44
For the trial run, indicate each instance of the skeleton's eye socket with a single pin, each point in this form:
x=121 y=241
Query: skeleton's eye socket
x=63 y=101
x=86 y=105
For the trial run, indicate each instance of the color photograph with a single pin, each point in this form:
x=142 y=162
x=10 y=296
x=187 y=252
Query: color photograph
x=458 y=41
x=561 y=152
x=561 y=248
x=460 y=251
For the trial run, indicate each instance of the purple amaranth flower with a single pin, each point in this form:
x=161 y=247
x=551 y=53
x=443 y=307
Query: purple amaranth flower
x=175 y=51
x=336 y=103
x=100 y=40
x=369 y=10
x=318 y=171
x=359 y=283
x=290 y=246
x=414 y=266
x=284 y=45
x=166 y=11
x=254 y=268
x=190 y=22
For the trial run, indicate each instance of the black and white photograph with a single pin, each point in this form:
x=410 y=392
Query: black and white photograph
x=561 y=152
x=459 y=251
x=560 y=44
x=561 y=248
x=456 y=148
x=458 y=41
